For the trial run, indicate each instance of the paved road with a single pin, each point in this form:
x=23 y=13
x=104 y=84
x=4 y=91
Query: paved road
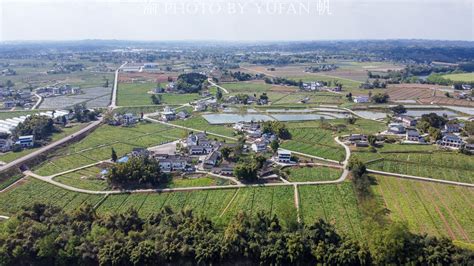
x=113 y=102
x=50 y=146
x=345 y=173
x=40 y=99
x=220 y=87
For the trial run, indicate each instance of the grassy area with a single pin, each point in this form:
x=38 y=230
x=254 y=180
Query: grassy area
x=430 y=208
x=11 y=156
x=200 y=123
x=420 y=160
x=12 y=114
x=88 y=178
x=198 y=182
x=136 y=94
x=9 y=180
x=463 y=77
x=336 y=204
x=314 y=141
x=37 y=191
x=97 y=145
x=246 y=87
x=314 y=98
x=313 y=173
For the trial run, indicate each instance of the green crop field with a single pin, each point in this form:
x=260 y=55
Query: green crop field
x=97 y=145
x=314 y=141
x=420 y=160
x=37 y=191
x=200 y=123
x=313 y=173
x=430 y=208
x=135 y=94
x=198 y=182
x=246 y=87
x=337 y=204
x=87 y=178
x=463 y=77
x=315 y=97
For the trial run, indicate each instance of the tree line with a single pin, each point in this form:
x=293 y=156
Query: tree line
x=46 y=235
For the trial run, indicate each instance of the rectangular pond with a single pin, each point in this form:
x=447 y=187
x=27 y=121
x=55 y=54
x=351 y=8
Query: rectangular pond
x=234 y=118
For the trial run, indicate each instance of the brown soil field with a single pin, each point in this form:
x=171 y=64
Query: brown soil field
x=424 y=94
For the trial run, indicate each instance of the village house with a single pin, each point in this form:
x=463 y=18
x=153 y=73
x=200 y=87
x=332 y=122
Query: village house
x=200 y=106
x=357 y=137
x=396 y=128
x=450 y=141
x=168 y=114
x=9 y=104
x=212 y=158
x=226 y=170
x=26 y=141
x=361 y=99
x=259 y=145
x=414 y=136
x=284 y=156
x=5 y=144
x=407 y=121
x=452 y=127
x=171 y=163
x=182 y=114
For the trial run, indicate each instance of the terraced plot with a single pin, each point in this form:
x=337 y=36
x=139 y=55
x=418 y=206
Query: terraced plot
x=314 y=141
x=336 y=204
x=88 y=178
x=431 y=208
x=32 y=190
x=423 y=161
x=97 y=145
x=314 y=173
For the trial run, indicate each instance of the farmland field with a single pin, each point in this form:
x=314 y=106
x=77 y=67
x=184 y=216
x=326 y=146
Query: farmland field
x=431 y=208
x=214 y=204
x=464 y=77
x=316 y=142
x=423 y=161
x=97 y=145
x=134 y=94
x=37 y=191
x=314 y=173
x=337 y=204
x=87 y=178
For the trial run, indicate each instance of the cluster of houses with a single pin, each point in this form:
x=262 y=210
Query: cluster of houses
x=405 y=128
x=127 y=119
x=7 y=126
x=252 y=130
x=12 y=98
x=51 y=91
x=168 y=114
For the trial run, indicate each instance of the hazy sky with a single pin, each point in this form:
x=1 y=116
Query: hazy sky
x=236 y=19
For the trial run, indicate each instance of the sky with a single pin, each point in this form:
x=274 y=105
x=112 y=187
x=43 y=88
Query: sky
x=236 y=20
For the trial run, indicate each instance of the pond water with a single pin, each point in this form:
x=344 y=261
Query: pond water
x=466 y=110
x=440 y=112
x=234 y=118
x=371 y=114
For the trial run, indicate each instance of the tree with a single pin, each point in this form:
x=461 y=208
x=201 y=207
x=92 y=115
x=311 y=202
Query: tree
x=41 y=127
x=114 y=155
x=275 y=145
x=246 y=172
x=435 y=133
x=106 y=84
x=372 y=139
x=398 y=109
x=219 y=94
x=137 y=171
x=380 y=98
x=156 y=99
x=351 y=120
x=226 y=151
x=277 y=128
